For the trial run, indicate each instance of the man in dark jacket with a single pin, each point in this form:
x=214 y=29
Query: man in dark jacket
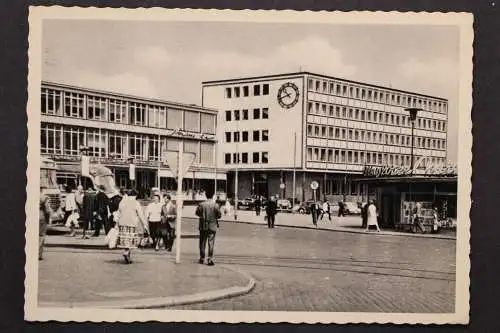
x=43 y=219
x=102 y=212
x=209 y=214
x=168 y=223
x=88 y=211
x=271 y=210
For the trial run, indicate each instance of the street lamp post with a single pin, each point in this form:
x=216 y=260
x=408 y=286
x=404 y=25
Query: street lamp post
x=413 y=116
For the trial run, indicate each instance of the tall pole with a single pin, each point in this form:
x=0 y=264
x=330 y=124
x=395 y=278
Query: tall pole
x=236 y=184
x=294 y=161
x=412 y=144
x=158 y=179
x=178 y=203
x=215 y=175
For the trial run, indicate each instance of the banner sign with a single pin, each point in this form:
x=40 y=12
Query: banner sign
x=420 y=169
x=191 y=135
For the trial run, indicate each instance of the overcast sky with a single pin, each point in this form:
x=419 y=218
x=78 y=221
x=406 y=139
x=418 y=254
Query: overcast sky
x=169 y=60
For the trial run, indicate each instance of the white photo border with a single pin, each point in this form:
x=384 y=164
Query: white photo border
x=464 y=21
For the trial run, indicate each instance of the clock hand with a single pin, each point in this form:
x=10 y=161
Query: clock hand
x=287 y=95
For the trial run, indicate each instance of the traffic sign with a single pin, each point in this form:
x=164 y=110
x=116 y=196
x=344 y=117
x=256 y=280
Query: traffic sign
x=172 y=159
x=282 y=186
x=314 y=185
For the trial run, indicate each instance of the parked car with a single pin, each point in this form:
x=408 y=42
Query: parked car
x=305 y=207
x=352 y=208
x=246 y=204
x=284 y=204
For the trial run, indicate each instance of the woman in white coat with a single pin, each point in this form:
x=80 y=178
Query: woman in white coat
x=372 y=216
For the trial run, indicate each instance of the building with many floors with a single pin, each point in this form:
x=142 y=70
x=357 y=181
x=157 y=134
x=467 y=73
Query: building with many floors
x=115 y=130
x=319 y=128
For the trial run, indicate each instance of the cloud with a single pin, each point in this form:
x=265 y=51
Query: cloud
x=123 y=83
x=312 y=54
x=153 y=58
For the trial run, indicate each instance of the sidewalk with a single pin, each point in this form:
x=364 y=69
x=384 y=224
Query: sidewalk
x=343 y=224
x=103 y=280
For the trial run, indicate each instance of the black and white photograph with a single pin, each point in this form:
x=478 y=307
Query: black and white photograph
x=248 y=166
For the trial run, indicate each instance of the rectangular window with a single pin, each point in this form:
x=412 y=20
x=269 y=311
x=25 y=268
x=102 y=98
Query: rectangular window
x=244 y=158
x=244 y=114
x=356 y=161
x=208 y=123
x=350 y=113
x=245 y=91
x=157 y=116
x=265 y=89
x=228 y=92
x=192 y=146
x=330 y=110
x=174 y=119
x=96 y=108
x=51 y=101
x=316 y=130
x=337 y=133
x=73 y=105
x=117 y=145
x=330 y=155
x=265 y=113
x=323 y=131
x=317 y=85
x=96 y=142
x=245 y=136
x=236 y=136
x=256 y=136
x=330 y=132
x=265 y=135
x=118 y=111
x=236 y=159
x=362 y=114
x=323 y=155
x=349 y=157
x=227 y=158
x=256 y=113
x=255 y=157
x=309 y=130
x=172 y=144
x=136 y=146
x=50 y=139
x=192 y=121
x=256 y=90
x=309 y=154
x=236 y=115
x=342 y=156
x=228 y=115
x=74 y=138
x=207 y=150
x=323 y=108
x=310 y=107
x=228 y=137
x=343 y=134
x=236 y=91
x=336 y=156
x=265 y=157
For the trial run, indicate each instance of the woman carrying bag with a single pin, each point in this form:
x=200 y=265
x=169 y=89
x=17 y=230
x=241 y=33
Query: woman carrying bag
x=130 y=215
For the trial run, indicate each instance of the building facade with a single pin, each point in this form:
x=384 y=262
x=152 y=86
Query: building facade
x=326 y=129
x=116 y=130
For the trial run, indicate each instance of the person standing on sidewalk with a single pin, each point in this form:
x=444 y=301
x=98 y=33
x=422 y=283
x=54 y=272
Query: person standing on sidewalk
x=326 y=210
x=209 y=215
x=372 y=216
x=70 y=208
x=88 y=211
x=102 y=211
x=314 y=213
x=258 y=203
x=168 y=223
x=271 y=210
x=43 y=219
x=153 y=215
x=130 y=215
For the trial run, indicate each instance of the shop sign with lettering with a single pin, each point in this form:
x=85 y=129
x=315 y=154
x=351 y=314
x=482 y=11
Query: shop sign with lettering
x=421 y=168
x=190 y=135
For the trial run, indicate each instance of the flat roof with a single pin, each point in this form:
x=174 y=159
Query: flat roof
x=126 y=96
x=276 y=76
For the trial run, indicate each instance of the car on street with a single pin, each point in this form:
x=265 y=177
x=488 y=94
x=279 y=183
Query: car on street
x=284 y=204
x=351 y=208
x=246 y=204
x=305 y=207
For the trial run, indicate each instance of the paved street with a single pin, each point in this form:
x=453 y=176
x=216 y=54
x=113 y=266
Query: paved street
x=314 y=270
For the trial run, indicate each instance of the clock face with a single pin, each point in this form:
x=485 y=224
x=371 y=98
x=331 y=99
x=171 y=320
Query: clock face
x=288 y=95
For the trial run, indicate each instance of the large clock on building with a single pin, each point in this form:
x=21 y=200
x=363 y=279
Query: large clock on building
x=288 y=95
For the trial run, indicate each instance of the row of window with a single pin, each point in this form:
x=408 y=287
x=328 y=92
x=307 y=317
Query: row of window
x=375 y=95
x=67 y=140
x=84 y=106
x=236 y=115
x=237 y=158
x=244 y=91
x=329 y=132
x=361 y=157
x=243 y=136
x=344 y=112
x=339 y=186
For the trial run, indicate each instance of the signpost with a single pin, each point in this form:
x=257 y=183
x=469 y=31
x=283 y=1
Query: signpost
x=314 y=187
x=179 y=163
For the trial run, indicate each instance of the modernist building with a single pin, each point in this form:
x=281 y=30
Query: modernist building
x=115 y=130
x=339 y=127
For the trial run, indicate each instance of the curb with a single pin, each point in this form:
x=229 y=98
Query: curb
x=343 y=229
x=162 y=302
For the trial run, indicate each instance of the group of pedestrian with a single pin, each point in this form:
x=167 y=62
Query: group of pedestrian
x=161 y=217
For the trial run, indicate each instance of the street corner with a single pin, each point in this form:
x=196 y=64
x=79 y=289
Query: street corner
x=103 y=280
